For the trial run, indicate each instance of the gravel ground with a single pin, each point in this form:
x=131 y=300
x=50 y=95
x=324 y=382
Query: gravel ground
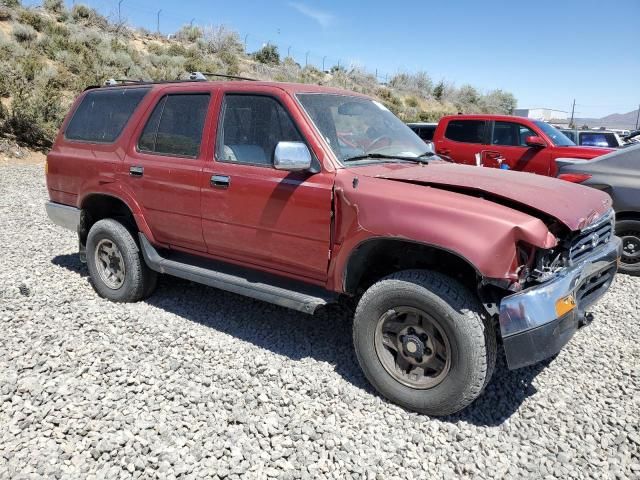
x=200 y=383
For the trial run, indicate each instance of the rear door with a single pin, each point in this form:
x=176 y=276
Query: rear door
x=253 y=213
x=509 y=149
x=463 y=140
x=164 y=166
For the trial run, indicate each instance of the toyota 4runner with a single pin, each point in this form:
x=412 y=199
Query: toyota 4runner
x=304 y=196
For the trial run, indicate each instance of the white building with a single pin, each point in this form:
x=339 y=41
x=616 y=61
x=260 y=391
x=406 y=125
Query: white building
x=544 y=114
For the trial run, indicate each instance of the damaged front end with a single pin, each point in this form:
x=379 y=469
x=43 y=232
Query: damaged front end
x=555 y=288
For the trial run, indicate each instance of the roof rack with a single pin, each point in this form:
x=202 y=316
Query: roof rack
x=193 y=77
x=204 y=75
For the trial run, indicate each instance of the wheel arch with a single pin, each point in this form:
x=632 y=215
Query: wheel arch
x=374 y=258
x=628 y=215
x=99 y=205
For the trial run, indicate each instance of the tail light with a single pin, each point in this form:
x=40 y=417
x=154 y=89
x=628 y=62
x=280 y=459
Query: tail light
x=574 y=177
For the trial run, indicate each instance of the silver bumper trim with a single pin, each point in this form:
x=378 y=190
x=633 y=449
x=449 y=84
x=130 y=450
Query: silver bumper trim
x=536 y=306
x=63 y=215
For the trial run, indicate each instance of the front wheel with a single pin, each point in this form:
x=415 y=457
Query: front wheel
x=424 y=342
x=629 y=233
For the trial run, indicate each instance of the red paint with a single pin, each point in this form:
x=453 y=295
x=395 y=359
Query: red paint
x=306 y=225
x=574 y=177
x=539 y=158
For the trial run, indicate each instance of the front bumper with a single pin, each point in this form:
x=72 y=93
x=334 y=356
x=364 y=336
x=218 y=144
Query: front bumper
x=532 y=330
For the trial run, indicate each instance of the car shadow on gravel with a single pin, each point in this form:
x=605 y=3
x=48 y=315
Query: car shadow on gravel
x=324 y=337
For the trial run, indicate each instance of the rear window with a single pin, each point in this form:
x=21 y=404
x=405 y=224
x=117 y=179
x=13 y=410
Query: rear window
x=175 y=126
x=426 y=133
x=103 y=113
x=598 y=139
x=468 y=131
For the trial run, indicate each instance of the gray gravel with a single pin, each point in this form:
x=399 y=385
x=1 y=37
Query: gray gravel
x=200 y=383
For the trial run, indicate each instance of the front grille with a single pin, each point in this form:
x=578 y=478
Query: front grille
x=591 y=237
x=595 y=286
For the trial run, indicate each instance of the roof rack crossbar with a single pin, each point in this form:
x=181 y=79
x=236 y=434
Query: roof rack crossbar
x=194 y=76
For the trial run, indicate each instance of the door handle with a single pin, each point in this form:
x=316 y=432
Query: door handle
x=220 y=181
x=136 y=171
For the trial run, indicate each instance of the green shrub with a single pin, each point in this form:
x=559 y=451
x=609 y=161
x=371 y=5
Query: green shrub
x=411 y=102
x=24 y=33
x=33 y=19
x=10 y=3
x=5 y=14
x=156 y=48
x=84 y=15
x=54 y=6
x=177 y=49
x=189 y=33
x=230 y=61
x=268 y=55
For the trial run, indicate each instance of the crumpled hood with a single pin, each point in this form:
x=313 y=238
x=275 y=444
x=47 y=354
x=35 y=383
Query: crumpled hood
x=574 y=205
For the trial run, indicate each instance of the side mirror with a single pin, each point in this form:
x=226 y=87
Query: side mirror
x=292 y=156
x=535 y=141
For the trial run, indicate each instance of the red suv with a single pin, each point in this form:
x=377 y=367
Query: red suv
x=305 y=196
x=513 y=143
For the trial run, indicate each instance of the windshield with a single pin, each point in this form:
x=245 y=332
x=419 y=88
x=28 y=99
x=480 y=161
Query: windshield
x=355 y=127
x=558 y=138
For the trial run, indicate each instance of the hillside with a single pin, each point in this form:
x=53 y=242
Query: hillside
x=615 y=120
x=49 y=54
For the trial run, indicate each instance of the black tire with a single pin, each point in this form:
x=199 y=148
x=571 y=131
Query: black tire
x=470 y=333
x=629 y=231
x=139 y=280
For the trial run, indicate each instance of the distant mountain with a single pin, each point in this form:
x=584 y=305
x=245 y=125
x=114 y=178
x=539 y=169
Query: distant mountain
x=615 y=120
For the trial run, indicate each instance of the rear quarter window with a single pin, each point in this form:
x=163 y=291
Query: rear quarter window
x=467 y=131
x=103 y=114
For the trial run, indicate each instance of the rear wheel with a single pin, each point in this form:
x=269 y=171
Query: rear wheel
x=424 y=341
x=629 y=233
x=118 y=271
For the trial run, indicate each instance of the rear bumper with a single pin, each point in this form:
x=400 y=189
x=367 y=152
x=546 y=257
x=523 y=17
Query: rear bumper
x=63 y=215
x=530 y=327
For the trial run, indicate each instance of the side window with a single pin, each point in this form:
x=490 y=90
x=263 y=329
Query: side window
x=103 y=113
x=510 y=134
x=468 y=131
x=175 y=126
x=250 y=128
x=570 y=135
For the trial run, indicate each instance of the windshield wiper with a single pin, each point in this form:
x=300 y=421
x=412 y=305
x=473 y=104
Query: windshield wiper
x=383 y=156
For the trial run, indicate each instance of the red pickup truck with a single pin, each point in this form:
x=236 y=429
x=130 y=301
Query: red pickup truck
x=304 y=196
x=502 y=141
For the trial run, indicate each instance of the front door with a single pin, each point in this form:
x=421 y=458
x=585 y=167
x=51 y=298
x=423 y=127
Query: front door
x=509 y=149
x=164 y=168
x=253 y=213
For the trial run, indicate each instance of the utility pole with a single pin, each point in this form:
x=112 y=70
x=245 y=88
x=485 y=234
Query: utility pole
x=158 y=21
x=245 y=42
x=119 y=16
x=191 y=23
x=638 y=118
x=289 y=51
x=573 y=109
x=306 y=59
x=323 y=59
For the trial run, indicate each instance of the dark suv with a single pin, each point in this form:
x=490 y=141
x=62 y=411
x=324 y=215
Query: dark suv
x=306 y=196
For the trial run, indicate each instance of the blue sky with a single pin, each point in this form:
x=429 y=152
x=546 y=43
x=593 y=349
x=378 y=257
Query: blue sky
x=545 y=52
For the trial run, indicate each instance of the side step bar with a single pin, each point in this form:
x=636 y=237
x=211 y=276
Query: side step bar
x=261 y=286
